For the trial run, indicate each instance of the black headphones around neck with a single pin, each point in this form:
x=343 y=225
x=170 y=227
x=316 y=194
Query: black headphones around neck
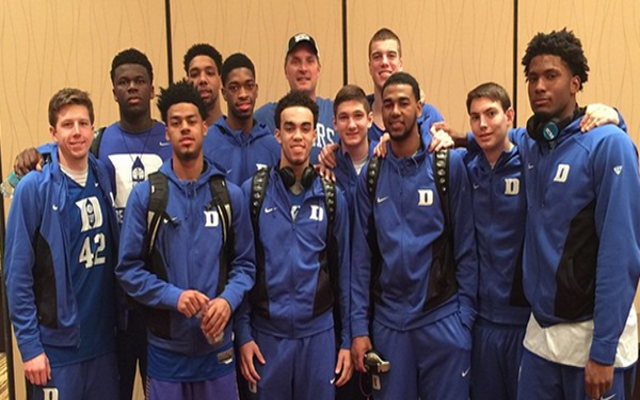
x=289 y=177
x=547 y=130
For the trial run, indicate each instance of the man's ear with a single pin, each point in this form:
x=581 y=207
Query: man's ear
x=278 y=137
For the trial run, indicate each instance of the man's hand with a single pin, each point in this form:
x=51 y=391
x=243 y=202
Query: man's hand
x=247 y=352
x=359 y=346
x=459 y=138
x=344 y=367
x=215 y=317
x=441 y=140
x=325 y=172
x=191 y=302
x=598 y=379
x=327 y=156
x=381 y=148
x=28 y=160
x=598 y=114
x=37 y=370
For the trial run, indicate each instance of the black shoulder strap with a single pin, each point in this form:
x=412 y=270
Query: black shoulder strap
x=221 y=201
x=97 y=140
x=373 y=170
x=329 y=189
x=158 y=198
x=441 y=176
x=258 y=188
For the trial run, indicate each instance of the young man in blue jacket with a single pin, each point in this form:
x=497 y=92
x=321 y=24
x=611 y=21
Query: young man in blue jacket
x=582 y=243
x=237 y=142
x=419 y=271
x=302 y=69
x=286 y=330
x=495 y=173
x=60 y=254
x=184 y=277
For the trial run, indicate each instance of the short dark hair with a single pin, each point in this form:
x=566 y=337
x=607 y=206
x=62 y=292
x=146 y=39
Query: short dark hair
x=403 y=78
x=296 y=98
x=67 y=97
x=385 y=34
x=492 y=91
x=202 y=49
x=180 y=92
x=351 y=93
x=131 y=56
x=563 y=44
x=234 y=61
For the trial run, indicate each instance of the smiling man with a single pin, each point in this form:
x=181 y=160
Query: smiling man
x=414 y=275
x=191 y=273
x=289 y=328
x=237 y=142
x=60 y=253
x=302 y=70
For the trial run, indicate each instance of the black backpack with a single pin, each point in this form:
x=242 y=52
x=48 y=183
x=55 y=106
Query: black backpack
x=158 y=320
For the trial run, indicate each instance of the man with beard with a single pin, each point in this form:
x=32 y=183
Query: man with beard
x=203 y=64
x=416 y=264
x=237 y=142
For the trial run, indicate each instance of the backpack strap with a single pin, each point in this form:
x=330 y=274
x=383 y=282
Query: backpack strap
x=258 y=189
x=330 y=201
x=373 y=171
x=158 y=199
x=441 y=176
x=221 y=201
x=97 y=140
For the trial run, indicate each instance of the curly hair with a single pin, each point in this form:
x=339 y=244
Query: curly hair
x=563 y=44
x=131 y=56
x=180 y=92
x=296 y=99
x=202 y=49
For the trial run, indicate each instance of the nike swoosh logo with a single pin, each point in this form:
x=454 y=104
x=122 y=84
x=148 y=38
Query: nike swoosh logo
x=269 y=210
x=530 y=166
x=382 y=199
x=55 y=207
x=164 y=144
x=465 y=373
x=608 y=398
x=475 y=185
x=229 y=171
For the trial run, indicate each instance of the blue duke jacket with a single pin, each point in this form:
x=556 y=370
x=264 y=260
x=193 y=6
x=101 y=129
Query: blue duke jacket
x=190 y=245
x=582 y=243
x=43 y=306
x=406 y=223
x=239 y=154
x=292 y=296
x=499 y=209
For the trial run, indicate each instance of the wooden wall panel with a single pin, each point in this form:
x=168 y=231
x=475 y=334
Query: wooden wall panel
x=48 y=45
x=449 y=46
x=610 y=36
x=261 y=30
